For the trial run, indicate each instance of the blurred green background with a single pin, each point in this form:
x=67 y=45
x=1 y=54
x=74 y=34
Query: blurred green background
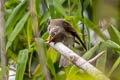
x=96 y=21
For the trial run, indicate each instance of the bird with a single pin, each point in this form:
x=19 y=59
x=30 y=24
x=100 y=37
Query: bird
x=61 y=30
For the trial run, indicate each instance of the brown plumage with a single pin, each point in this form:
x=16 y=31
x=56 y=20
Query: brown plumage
x=61 y=31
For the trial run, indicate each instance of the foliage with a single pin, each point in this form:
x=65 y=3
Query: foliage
x=21 y=43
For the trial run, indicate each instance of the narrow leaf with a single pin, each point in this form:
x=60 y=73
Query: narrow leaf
x=94 y=27
x=15 y=16
x=112 y=45
x=114 y=34
x=17 y=29
x=101 y=62
x=114 y=66
x=21 y=65
x=59 y=7
x=89 y=53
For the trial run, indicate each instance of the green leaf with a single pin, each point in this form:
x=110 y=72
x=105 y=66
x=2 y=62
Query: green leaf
x=61 y=1
x=52 y=54
x=89 y=53
x=51 y=67
x=73 y=70
x=114 y=34
x=76 y=74
x=59 y=7
x=15 y=16
x=51 y=9
x=45 y=18
x=79 y=8
x=101 y=61
x=17 y=29
x=85 y=4
x=12 y=55
x=29 y=32
x=45 y=36
x=92 y=26
x=117 y=62
x=37 y=6
x=111 y=44
x=21 y=65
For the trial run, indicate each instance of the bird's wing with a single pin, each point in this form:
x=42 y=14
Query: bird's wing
x=68 y=27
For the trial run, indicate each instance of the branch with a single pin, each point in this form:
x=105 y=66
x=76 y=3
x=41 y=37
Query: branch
x=78 y=61
x=2 y=41
x=96 y=57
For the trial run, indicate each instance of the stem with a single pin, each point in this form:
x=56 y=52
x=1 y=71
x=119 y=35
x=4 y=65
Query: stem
x=2 y=41
x=40 y=50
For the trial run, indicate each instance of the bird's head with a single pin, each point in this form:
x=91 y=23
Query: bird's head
x=54 y=27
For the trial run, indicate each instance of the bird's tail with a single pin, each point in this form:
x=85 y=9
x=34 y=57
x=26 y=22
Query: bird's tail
x=81 y=42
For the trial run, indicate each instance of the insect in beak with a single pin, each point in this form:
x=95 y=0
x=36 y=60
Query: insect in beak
x=49 y=39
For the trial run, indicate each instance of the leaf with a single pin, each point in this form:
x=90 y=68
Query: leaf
x=117 y=62
x=79 y=8
x=51 y=67
x=51 y=8
x=21 y=65
x=15 y=16
x=101 y=61
x=61 y=1
x=45 y=18
x=37 y=6
x=17 y=29
x=88 y=38
x=52 y=54
x=73 y=70
x=89 y=53
x=45 y=36
x=92 y=26
x=59 y=7
x=76 y=74
x=114 y=34
x=11 y=55
x=111 y=44
x=29 y=32
x=85 y=4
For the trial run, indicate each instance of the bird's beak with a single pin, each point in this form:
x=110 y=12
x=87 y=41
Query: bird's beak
x=49 y=39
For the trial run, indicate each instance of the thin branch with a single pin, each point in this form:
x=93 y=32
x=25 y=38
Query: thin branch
x=96 y=57
x=2 y=41
x=71 y=9
x=27 y=74
x=78 y=61
x=36 y=69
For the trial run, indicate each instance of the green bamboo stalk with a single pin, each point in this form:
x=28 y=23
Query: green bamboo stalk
x=40 y=50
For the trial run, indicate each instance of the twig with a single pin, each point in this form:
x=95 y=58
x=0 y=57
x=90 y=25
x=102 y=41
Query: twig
x=78 y=61
x=29 y=64
x=73 y=6
x=36 y=69
x=96 y=57
x=2 y=41
x=27 y=74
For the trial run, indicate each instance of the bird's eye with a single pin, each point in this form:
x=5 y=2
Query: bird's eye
x=53 y=34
